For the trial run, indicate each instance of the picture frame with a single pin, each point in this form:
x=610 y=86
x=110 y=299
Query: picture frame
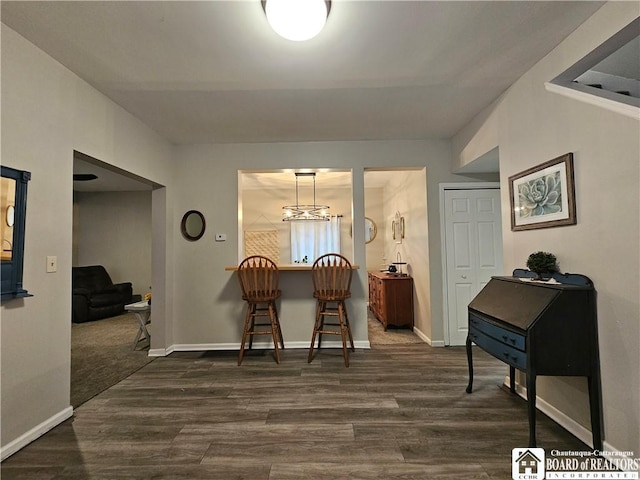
x=543 y=196
x=397 y=227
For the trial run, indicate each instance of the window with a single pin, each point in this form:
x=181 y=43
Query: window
x=311 y=239
x=13 y=205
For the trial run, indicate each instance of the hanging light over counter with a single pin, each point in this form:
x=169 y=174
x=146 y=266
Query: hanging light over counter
x=305 y=211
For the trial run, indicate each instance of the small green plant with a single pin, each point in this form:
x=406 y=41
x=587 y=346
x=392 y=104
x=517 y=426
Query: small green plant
x=542 y=262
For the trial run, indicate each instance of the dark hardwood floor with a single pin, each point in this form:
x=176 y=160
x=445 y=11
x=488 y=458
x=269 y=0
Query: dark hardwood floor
x=398 y=412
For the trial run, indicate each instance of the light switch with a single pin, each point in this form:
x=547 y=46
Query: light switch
x=52 y=264
x=221 y=237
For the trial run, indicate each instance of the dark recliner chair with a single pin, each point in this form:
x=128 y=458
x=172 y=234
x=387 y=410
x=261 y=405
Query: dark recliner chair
x=95 y=296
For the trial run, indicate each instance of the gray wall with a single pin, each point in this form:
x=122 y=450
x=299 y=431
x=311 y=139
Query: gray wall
x=530 y=126
x=47 y=112
x=206 y=301
x=113 y=229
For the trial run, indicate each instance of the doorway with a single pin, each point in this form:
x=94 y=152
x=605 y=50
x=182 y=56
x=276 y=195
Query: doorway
x=398 y=198
x=112 y=226
x=472 y=249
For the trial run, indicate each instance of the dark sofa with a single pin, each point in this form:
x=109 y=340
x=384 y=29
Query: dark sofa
x=95 y=296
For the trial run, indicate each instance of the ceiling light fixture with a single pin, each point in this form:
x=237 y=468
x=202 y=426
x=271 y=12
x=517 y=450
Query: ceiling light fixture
x=305 y=212
x=297 y=20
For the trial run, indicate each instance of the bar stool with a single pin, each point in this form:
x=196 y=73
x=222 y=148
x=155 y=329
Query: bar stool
x=331 y=275
x=258 y=276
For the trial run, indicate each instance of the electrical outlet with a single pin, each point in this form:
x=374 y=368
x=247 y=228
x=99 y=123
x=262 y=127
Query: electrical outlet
x=52 y=264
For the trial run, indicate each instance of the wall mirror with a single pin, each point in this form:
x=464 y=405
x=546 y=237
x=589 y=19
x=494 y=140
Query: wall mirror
x=193 y=225
x=13 y=205
x=370 y=230
x=10 y=216
x=397 y=227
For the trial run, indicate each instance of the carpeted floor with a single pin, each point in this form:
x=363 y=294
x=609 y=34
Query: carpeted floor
x=102 y=355
x=393 y=336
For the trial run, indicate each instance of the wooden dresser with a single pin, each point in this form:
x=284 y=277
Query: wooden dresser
x=391 y=299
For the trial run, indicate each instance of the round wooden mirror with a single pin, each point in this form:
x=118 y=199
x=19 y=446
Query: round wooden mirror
x=193 y=225
x=370 y=230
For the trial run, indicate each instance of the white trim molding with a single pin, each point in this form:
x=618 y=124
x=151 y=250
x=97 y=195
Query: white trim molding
x=36 y=432
x=160 y=352
x=591 y=98
x=427 y=340
x=583 y=434
x=198 y=347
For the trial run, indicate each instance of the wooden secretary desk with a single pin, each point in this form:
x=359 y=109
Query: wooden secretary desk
x=540 y=328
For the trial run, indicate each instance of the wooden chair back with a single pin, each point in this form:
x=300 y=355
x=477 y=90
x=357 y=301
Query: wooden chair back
x=331 y=275
x=258 y=277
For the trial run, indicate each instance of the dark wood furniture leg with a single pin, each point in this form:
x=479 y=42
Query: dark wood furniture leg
x=470 y=362
x=595 y=406
x=512 y=379
x=531 y=404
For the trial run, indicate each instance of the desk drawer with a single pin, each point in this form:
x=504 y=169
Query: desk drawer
x=501 y=334
x=501 y=351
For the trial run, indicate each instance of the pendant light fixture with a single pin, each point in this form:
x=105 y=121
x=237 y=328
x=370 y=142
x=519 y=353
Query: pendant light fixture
x=297 y=20
x=302 y=211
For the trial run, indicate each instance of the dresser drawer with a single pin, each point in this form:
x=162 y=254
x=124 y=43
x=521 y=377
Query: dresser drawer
x=501 y=351
x=501 y=334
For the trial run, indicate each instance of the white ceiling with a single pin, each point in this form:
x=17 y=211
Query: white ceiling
x=214 y=71
x=324 y=178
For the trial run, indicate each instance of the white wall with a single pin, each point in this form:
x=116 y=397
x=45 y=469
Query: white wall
x=532 y=126
x=47 y=112
x=373 y=203
x=406 y=193
x=113 y=229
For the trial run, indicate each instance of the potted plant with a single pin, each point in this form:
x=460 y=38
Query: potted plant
x=544 y=264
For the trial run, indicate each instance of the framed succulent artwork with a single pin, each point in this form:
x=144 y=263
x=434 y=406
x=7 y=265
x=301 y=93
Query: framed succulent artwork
x=543 y=196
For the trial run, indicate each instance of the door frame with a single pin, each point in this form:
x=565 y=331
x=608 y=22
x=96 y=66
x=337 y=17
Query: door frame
x=445 y=293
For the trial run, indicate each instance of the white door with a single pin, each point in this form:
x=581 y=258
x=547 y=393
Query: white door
x=473 y=244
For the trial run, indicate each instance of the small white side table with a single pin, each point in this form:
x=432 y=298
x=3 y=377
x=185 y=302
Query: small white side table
x=142 y=311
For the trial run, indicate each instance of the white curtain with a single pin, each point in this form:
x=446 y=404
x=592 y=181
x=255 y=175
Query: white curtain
x=314 y=238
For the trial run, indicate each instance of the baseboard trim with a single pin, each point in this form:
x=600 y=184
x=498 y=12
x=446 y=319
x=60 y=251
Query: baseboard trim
x=25 y=439
x=426 y=339
x=160 y=352
x=196 y=347
x=581 y=433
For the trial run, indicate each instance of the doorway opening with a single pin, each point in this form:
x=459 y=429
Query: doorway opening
x=263 y=200
x=112 y=227
x=396 y=201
